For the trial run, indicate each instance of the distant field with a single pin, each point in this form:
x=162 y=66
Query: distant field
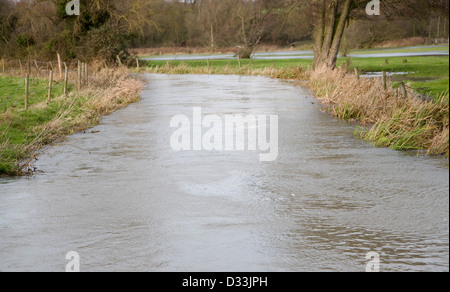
x=418 y=49
x=151 y=53
x=427 y=75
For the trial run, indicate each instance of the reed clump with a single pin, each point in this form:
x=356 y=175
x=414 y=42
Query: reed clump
x=388 y=118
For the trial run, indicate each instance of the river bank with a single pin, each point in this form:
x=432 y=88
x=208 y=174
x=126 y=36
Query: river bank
x=389 y=118
x=24 y=132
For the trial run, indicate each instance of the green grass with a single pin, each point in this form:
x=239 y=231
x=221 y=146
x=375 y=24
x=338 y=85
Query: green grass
x=10 y=86
x=418 y=49
x=233 y=64
x=12 y=92
x=20 y=127
x=427 y=75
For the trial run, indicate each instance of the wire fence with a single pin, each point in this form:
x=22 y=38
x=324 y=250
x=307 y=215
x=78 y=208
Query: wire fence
x=29 y=81
x=403 y=89
x=34 y=67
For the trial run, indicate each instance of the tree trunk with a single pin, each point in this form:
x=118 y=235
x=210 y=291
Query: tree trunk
x=319 y=32
x=329 y=31
x=212 y=42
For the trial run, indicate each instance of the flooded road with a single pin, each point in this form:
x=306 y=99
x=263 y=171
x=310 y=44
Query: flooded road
x=124 y=200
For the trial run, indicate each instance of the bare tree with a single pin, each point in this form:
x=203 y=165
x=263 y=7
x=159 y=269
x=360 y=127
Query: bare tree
x=332 y=17
x=210 y=18
x=254 y=21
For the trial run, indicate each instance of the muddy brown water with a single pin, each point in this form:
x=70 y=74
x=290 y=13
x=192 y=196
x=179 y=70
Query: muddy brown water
x=125 y=201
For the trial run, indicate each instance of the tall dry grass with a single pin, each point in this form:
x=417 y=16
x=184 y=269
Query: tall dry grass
x=390 y=119
x=406 y=42
x=296 y=72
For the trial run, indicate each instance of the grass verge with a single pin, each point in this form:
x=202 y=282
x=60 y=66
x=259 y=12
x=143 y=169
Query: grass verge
x=25 y=132
x=280 y=68
x=394 y=121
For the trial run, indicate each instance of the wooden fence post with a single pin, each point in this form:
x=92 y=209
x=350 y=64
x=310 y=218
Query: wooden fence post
x=50 y=83
x=29 y=66
x=82 y=73
x=384 y=78
x=66 y=78
x=37 y=67
x=86 y=74
x=59 y=65
x=27 y=82
x=357 y=72
x=79 y=75
x=403 y=91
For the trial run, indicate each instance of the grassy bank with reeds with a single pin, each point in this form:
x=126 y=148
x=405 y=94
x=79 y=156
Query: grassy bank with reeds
x=24 y=132
x=285 y=69
x=388 y=118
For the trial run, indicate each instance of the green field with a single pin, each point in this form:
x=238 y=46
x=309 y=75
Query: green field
x=427 y=75
x=20 y=127
x=233 y=64
x=418 y=49
x=12 y=91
